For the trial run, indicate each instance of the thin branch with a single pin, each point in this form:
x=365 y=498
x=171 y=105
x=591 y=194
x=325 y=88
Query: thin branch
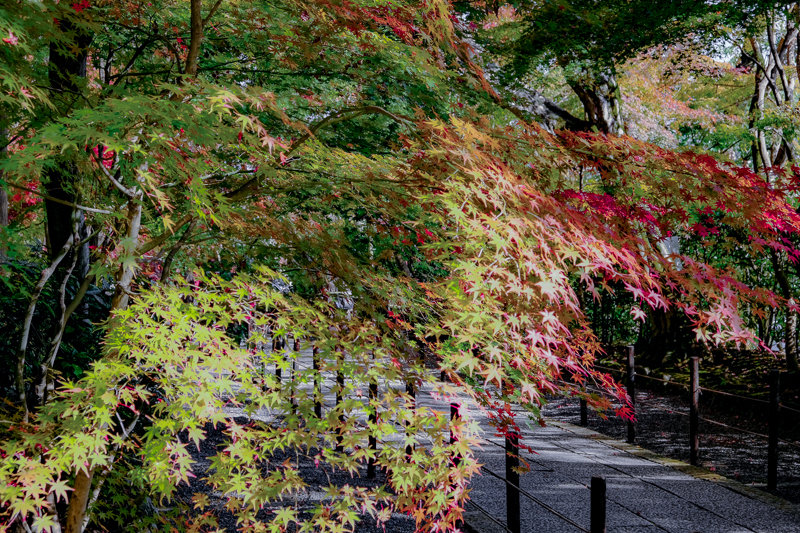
x=126 y=431
x=41 y=390
x=777 y=59
x=346 y=114
x=11 y=141
x=758 y=64
x=174 y=251
x=155 y=242
x=333 y=118
x=73 y=305
x=131 y=61
x=244 y=189
x=58 y=200
x=26 y=325
x=146 y=73
x=211 y=12
x=130 y=193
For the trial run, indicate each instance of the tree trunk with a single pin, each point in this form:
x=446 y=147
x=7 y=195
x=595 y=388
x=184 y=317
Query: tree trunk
x=599 y=95
x=67 y=64
x=79 y=500
x=3 y=194
x=790 y=338
x=790 y=327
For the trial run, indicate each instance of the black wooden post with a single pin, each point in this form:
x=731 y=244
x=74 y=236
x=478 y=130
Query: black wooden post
x=277 y=345
x=410 y=390
x=453 y=416
x=261 y=347
x=598 y=506
x=373 y=419
x=512 y=486
x=774 y=421
x=294 y=371
x=317 y=388
x=339 y=396
x=584 y=412
x=694 y=411
x=632 y=393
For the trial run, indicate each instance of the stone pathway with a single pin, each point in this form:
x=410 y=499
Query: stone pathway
x=645 y=493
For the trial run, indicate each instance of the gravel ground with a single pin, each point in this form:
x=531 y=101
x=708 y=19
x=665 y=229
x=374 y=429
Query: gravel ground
x=317 y=478
x=663 y=427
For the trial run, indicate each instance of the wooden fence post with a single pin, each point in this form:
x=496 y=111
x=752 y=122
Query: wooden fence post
x=632 y=393
x=317 y=387
x=453 y=415
x=277 y=344
x=513 y=511
x=598 y=505
x=584 y=412
x=339 y=396
x=694 y=411
x=293 y=389
x=410 y=390
x=373 y=418
x=774 y=421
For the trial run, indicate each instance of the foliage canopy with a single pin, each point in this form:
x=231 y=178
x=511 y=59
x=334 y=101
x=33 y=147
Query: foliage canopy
x=216 y=174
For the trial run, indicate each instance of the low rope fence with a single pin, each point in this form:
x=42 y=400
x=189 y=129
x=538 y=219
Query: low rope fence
x=774 y=411
x=325 y=379
x=512 y=483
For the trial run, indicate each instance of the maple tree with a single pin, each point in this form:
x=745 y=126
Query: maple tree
x=206 y=175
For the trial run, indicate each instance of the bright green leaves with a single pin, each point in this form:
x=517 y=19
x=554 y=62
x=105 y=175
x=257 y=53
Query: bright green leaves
x=198 y=381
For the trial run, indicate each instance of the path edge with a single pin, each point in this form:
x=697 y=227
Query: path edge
x=694 y=471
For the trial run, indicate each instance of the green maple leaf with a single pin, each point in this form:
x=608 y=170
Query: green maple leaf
x=60 y=488
x=43 y=522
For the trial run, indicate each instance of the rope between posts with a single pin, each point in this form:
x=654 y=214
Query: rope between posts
x=788 y=442
x=644 y=376
x=535 y=499
x=686 y=386
x=723 y=393
x=787 y=408
x=735 y=428
x=489 y=516
x=493 y=443
x=661 y=380
x=722 y=424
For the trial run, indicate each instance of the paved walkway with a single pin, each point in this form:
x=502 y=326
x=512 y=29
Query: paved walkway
x=645 y=493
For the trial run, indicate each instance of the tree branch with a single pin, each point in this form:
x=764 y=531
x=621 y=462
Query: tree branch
x=59 y=200
x=130 y=193
x=171 y=255
x=211 y=12
x=777 y=59
x=26 y=324
x=47 y=377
